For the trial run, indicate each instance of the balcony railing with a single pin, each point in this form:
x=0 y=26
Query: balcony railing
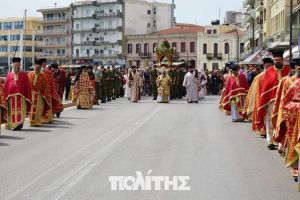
x=214 y=56
x=55 y=20
x=145 y=55
x=107 y=15
x=98 y=42
x=97 y=29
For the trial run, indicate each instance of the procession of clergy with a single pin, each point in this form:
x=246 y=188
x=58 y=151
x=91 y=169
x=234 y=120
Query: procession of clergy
x=271 y=103
x=39 y=93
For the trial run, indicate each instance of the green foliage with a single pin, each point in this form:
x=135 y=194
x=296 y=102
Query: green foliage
x=165 y=49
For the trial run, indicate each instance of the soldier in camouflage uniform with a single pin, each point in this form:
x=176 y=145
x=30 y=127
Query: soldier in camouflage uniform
x=153 y=78
x=103 y=84
x=180 y=88
x=110 y=79
x=116 y=82
x=175 y=83
x=172 y=76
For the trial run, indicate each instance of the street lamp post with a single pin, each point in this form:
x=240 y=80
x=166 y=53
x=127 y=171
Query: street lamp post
x=238 y=45
x=253 y=31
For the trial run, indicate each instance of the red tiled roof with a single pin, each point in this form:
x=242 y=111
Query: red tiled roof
x=181 y=28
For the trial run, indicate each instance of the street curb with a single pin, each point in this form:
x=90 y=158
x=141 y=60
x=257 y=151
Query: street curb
x=68 y=105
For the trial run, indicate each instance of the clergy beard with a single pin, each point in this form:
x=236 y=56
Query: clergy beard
x=16 y=70
x=278 y=65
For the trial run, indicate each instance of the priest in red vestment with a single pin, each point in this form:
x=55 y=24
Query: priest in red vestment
x=291 y=112
x=3 y=106
x=53 y=97
x=59 y=87
x=235 y=94
x=40 y=103
x=17 y=94
x=267 y=92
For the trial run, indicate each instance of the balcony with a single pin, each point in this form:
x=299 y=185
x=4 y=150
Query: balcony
x=54 y=20
x=105 y=56
x=145 y=55
x=55 y=32
x=82 y=17
x=55 y=45
x=55 y=56
x=259 y=4
x=214 y=56
x=88 y=30
x=107 y=15
x=98 y=30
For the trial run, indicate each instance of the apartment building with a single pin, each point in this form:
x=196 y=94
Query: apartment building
x=20 y=38
x=99 y=27
x=57 y=35
x=219 y=44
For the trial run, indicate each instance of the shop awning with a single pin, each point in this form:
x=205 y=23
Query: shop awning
x=254 y=59
x=295 y=52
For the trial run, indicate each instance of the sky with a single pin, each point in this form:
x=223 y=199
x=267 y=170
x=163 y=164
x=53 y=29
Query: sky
x=200 y=12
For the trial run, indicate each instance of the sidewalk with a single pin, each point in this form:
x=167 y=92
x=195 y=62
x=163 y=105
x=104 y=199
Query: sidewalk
x=67 y=103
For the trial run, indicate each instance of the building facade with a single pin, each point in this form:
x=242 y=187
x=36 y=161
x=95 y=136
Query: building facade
x=21 y=39
x=217 y=45
x=57 y=35
x=97 y=32
x=141 y=49
x=145 y=17
x=99 y=27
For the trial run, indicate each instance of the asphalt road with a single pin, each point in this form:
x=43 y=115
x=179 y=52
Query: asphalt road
x=73 y=158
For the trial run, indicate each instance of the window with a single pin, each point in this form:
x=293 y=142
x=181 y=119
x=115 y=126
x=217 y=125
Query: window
x=192 y=47
x=208 y=32
x=14 y=48
x=18 y=25
x=129 y=48
x=214 y=31
x=205 y=48
x=154 y=47
x=28 y=48
x=204 y=66
x=216 y=49
x=174 y=46
x=138 y=48
x=226 y=48
x=146 y=48
x=149 y=12
x=7 y=25
x=242 y=48
x=182 y=47
x=0 y=26
x=148 y=25
x=3 y=48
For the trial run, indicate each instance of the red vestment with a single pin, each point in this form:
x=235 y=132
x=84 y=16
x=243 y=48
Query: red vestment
x=235 y=87
x=268 y=90
x=17 y=94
